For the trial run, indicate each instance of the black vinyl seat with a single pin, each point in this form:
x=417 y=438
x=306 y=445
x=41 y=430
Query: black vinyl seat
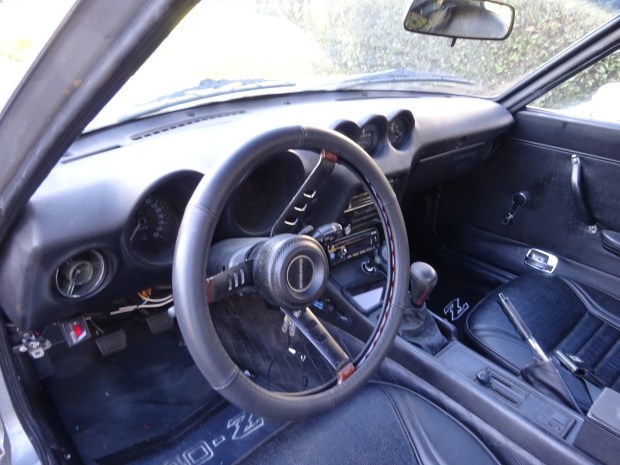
x=562 y=315
x=383 y=424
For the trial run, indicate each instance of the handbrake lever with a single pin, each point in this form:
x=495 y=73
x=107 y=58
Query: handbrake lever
x=513 y=315
x=542 y=373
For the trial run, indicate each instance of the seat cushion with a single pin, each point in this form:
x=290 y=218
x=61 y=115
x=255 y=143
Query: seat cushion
x=383 y=424
x=562 y=315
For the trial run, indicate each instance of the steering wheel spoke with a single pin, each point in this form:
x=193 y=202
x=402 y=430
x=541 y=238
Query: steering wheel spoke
x=229 y=281
x=291 y=218
x=312 y=328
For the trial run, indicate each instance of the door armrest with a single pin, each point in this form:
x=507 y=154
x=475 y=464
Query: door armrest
x=611 y=241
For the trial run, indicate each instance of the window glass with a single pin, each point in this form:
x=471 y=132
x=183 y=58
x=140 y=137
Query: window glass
x=25 y=27
x=594 y=93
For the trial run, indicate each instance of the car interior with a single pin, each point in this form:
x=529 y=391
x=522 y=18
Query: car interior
x=222 y=283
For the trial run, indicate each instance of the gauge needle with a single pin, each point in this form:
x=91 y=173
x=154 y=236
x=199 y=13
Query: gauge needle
x=139 y=227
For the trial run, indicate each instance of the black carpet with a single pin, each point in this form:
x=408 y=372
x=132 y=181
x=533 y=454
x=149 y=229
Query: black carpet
x=220 y=437
x=453 y=298
x=107 y=404
x=251 y=334
x=150 y=402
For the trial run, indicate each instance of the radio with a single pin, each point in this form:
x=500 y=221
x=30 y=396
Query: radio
x=353 y=245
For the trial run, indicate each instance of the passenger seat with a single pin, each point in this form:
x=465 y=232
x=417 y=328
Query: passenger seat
x=562 y=314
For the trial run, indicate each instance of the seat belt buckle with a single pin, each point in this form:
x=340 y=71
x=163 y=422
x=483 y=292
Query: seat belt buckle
x=578 y=367
x=569 y=361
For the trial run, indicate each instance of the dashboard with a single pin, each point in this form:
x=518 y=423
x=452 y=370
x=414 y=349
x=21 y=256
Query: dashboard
x=102 y=227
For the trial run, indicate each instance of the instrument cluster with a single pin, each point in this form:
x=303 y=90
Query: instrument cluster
x=378 y=133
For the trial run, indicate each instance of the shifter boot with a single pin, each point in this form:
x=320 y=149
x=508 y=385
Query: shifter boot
x=418 y=327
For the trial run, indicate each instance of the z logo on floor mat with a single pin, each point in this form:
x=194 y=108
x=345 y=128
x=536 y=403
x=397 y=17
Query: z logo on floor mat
x=195 y=455
x=242 y=425
x=455 y=309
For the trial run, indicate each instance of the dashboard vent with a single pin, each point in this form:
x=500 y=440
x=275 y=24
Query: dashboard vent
x=181 y=124
x=81 y=275
x=359 y=201
x=364 y=218
x=361 y=213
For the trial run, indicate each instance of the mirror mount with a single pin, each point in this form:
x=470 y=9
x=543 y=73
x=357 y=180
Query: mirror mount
x=461 y=19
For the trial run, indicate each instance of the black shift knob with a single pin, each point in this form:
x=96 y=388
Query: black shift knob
x=422 y=280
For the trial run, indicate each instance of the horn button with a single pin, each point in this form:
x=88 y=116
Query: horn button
x=291 y=271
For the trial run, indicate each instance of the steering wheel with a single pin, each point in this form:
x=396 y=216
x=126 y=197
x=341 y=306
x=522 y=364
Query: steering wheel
x=288 y=270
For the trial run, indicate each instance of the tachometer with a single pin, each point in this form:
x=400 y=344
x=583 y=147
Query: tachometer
x=154 y=226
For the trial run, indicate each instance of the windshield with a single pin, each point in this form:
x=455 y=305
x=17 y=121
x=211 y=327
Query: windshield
x=227 y=49
x=25 y=27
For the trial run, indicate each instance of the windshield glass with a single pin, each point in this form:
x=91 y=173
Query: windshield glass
x=25 y=27
x=227 y=49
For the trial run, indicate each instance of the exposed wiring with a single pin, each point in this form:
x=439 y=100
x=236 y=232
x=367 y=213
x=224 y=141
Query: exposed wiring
x=147 y=302
x=154 y=303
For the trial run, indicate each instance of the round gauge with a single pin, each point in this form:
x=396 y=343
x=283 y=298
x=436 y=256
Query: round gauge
x=370 y=138
x=398 y=131
x=154 y=226
x=81 y=275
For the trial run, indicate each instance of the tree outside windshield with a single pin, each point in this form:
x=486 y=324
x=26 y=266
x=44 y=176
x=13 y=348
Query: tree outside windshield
x=305 y=41
x=362 y=36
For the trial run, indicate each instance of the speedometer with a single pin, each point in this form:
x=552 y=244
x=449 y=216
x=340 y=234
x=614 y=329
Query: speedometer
x=154 y=226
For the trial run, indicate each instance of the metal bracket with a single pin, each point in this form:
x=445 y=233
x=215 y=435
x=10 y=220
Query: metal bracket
x=35 y=346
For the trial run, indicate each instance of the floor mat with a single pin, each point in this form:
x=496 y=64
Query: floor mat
x=252 y=335
x=130 y=403
x=221 y=437
x=453 y=298
x=107 y=404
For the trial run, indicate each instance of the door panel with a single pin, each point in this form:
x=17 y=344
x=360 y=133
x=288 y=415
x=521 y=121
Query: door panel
x=536 y=160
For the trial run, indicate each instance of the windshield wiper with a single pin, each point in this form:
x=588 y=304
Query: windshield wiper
x=399 y=76
x=207 y=88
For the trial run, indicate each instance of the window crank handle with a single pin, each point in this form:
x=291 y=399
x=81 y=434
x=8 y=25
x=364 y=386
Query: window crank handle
x=518 y=200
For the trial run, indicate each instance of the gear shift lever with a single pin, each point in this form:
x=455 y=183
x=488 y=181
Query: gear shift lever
x=418 y=326
x=422 y=281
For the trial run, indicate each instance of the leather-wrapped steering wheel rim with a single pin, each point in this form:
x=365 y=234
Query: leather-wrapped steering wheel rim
x=192 y=249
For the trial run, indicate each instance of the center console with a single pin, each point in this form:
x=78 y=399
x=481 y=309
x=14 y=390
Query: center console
x=511 y=391
x=522 y=425
x=358 y=264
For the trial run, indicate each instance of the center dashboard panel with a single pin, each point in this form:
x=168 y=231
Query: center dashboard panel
x=103 y=225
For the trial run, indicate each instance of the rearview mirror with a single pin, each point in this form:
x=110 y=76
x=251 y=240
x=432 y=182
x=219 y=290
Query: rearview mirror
x=464 y=19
